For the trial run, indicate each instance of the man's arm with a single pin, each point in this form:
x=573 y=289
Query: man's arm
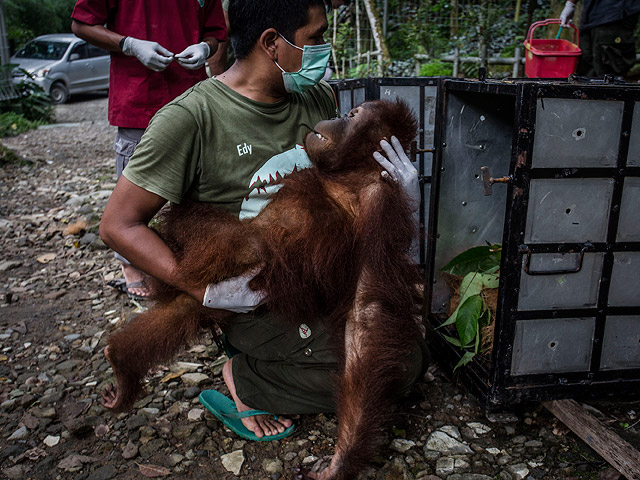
x=124 y=228
x=218 y=61
x=97 y=35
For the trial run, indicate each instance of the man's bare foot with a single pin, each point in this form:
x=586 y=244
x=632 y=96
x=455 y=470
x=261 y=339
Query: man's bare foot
x=135 y=281
x=261 y=425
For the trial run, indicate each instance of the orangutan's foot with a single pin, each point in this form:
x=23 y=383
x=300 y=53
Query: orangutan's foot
x=261 y=425
x=110 y=397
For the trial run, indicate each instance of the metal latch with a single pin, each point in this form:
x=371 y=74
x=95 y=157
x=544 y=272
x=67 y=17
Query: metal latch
x=488 y=180
x=414 y=150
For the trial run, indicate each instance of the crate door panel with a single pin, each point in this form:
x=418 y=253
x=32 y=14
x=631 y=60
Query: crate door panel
x=478 y=133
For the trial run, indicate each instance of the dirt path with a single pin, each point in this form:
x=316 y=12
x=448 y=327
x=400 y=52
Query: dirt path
x=56 y=313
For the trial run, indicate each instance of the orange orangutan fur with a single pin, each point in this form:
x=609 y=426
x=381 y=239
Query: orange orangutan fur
x=333 y=243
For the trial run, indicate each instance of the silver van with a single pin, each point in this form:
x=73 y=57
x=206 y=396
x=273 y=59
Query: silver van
x=62 y=64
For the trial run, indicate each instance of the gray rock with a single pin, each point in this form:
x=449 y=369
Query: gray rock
x=272 y=465
x=71 y=337
x=444 y=466
x=68 y=365
x=191 y=392
x=17 y=472
x=397 y=469
x=19 y=434
x=232 y=462
x=74 y=462
x=130 y=450
x=195 y=379
x=443 y=443
x=452 y=431
x=479 y=428
x=182 y=431
x=504 y=417
x=8 y=404
x=51 y=440
x=151 y=447
x=136 y=421
x=174 y=459
x=197 y=436
x=195 y=414
x=468 y=476
x=402 y=445
x=460 y=465
x=431 y=455
x=51 y=398
x=9 y=265
x=518 y=471
x=103 y=473
x=88 y=239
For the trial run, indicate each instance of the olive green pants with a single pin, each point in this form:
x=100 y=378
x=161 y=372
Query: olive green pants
x=290 y=369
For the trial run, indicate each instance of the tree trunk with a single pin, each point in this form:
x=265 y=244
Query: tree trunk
x=358 y=48
x=333 y=43
x=385 y=17
x=453 y=19
x=378 y=37
x=482 y=33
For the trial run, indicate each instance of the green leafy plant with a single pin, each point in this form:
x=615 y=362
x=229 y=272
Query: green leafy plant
x=478 y=268
x=12 y=124
x=436 y=68
x=30 y=108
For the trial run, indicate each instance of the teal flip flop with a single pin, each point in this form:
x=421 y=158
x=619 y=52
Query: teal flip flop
x=225 y=410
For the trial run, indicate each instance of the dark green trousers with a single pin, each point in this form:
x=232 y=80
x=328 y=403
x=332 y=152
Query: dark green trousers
x=287 y=368
x=608 y=49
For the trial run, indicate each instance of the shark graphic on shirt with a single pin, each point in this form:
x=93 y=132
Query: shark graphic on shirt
x=263 y=183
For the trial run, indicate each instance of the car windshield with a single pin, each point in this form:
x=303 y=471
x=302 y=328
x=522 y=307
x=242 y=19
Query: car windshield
x=44 y=50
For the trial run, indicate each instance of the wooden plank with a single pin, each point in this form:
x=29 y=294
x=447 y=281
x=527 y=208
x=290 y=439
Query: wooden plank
x=619 y=453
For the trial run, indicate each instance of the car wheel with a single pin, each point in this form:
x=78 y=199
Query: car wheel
x=59 y=93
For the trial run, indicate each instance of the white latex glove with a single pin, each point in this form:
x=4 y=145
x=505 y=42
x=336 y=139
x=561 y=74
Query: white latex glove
x=194 y=56
x=151 y=54
x=567 y=13
x=234 y=294
x=398 y=166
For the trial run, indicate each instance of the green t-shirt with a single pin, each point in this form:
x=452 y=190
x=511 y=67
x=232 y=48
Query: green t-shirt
x=213 y=145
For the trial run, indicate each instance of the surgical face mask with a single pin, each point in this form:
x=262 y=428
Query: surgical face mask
x=314 y=64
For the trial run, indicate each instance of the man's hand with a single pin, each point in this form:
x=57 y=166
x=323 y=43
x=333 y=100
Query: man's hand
x=234 y=294
x=399 y=167
x=194 y=56
x=567 y=13
x=151 y=54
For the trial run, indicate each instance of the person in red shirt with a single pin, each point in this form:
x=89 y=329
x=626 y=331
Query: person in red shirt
x=158 y=50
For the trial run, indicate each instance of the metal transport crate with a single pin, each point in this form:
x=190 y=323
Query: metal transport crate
x=567 y=323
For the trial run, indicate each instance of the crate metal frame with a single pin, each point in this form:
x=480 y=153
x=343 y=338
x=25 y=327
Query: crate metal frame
x=495 y=382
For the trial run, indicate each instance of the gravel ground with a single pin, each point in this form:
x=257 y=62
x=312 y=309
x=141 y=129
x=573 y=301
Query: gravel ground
x=56 y=313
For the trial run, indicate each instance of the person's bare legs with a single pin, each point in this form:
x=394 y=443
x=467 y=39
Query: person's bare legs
x=133 y=276
x=261 y=425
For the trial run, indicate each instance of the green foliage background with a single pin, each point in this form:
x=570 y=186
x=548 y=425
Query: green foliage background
x=434 y=28
x=27 y=19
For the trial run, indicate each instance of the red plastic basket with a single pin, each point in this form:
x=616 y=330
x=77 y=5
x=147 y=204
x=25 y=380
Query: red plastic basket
x=550 y=57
